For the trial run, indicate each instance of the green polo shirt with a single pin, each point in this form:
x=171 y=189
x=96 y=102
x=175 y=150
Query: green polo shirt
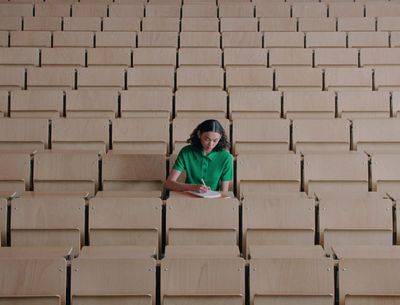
x=213 y=168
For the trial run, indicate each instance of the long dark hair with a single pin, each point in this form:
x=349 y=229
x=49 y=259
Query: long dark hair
x=206 y=126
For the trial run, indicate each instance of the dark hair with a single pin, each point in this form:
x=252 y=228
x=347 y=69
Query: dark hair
x=206 y=126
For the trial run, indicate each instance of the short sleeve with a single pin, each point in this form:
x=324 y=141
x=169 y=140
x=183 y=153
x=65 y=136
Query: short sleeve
x=179 y=164
x=227 y=171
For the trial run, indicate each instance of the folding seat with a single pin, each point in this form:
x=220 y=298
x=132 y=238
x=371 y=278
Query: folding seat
x=395 y=40
x=356 y=24
x=278 y=221
x=396 y=104
x=89 y=10
x=323 y=24
x=286 y=251
x=290 y=57
x=11 y=24
x=379 y=57
x=42 y=23
x=379 y=9
x=92 y=103
x=44 y=280
x=269 y=9
x=201 y=251
x=51 y=78
x=160 y=24
x=239 y=24
x=255 y=77
x=18 y=134
x=236 y=10
x=385 y=172
x=126 y=10
x=4 y=39
x=387 y=78
x=376 y=134
x=339 y=172
x=183 y=127
x=200 y=57
x=36 y=104
x=355 y=221
x=121 y=24
x=154 y=56
x=141 y=135
x=73 y=39
x=200 y=39
x=204 y=280
x=271 y=24
x=278 y=172
x=298 y=78
x=309 y=10
x=242 y=40
x=199 y=24
x=101 y=78
x=254 y=103
x=116 y=39
x=118 y=252
x=109 y=57
x=189 y=221
x=146 y=102
x=63 y=57
x=158 y=39
x=137 y=173
x=82 y=24
x=343 y=9
x=4 y=103
x=311 y=104
x=3 y=221
x=321 y=135
x=12 y=78
x=368 y=39
x=257 y=136
x=361 y=104
x=130 y=1
x=66 y=172
x=336 y=57
x=245 y=57
x=16 y=10
x=151 y=76
x=200 y=10
x=292 y=280
x=200 y=76
x=326 y=40
x=113 y=281
x=388 y=24
x=30 y=39
x=58 y=221
x=191 y=102
x=163 y=10
x=283 y=40
x=125 y=221
x=19 y=57
x=80 y=134
x=52 y=10
x=15 y=172
x=346 y=78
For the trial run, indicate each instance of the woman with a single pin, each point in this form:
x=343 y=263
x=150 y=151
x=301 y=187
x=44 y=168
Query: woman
x=206 y=160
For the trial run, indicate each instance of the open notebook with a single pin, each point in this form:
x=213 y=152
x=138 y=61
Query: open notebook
x=209 y=194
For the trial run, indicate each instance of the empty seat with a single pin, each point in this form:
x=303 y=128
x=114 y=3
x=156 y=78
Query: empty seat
x=48 y=221
x=336 y=57
x=109 y=57
x=382 y=9
x=199 y=24
x=199 y=76
x=298 y=78
x=16 y=9
x=4 y=103
x=387 y=78
x=286 y=251
x=278 y=24
x=368 y=39
x=258 y=136
x=154 y=56
x=363 y=104
x=73 y=39
x=125 y=172
x=89 y=10
x=268 y=172
x=395 y=40
x=36 y=103
x=3 y=221
x=66 y=172
x=63 y=57
x=163 y=10
x=272 y=10
x=388 y=24
x=311 y=104
x=101 y=78
x=15 y=172
x=126 y=10
x=12 y=78
x=116 y=39
x=256 y=77
x=80 y=134
x=23 y=134
x=379 y=57
x=199 y=10
x=125 y=221
x=52 y=9
x=200 y=57
x=235 y=10
x=42 y=23
x=356 y=24
x=385 y=172
x=141 y=135
x=396 y=104
x=51 y=77
x=30 y=39
x=376 y=135
x=160 y=24
x=239 y=24
x=355 y=221
x=283 y=40
x=11 y=24
x=200 y=39
x=324 y=24
x=19 y=57
x=254 y=103
x=191 y=102
x=189 y=221
x=335 y=172
x=245 y=57
x=158 y=39
x=201 y=251
x=92 y=104
x=326 y=40
x=4 y=39
x=343 y=9
x=309 y=10
x=341 y=79
x=241 y=40
x=82 y=23
x=121 y=24
x=290 y=57
x=151 y=76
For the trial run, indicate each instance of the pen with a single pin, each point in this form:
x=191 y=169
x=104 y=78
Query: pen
x=202 y=180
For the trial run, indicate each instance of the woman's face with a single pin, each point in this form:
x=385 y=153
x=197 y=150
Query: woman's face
x=209 y=140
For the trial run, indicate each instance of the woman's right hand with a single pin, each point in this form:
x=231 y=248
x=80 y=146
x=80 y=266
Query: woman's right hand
x=200 y=188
